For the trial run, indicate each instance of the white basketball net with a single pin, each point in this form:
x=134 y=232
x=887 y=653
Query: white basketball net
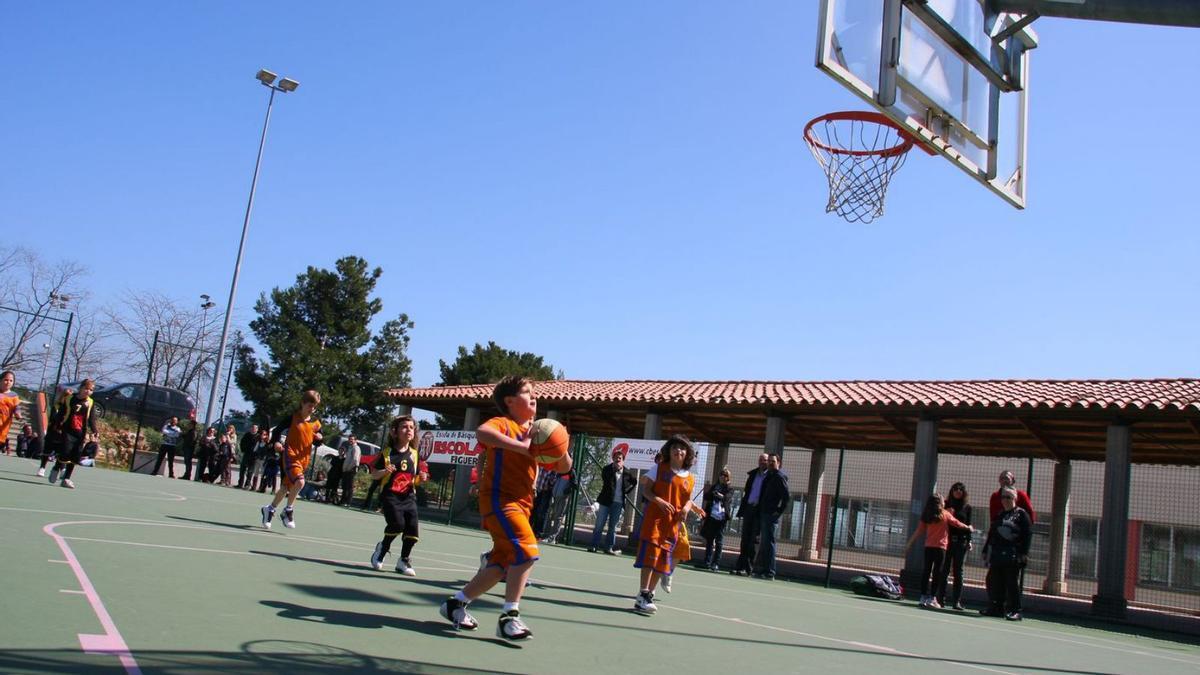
x=859 y=158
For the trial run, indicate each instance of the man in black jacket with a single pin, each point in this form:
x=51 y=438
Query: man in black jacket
x=748 y=511
x=771 y=505
x=612 y=500
x=246 y=463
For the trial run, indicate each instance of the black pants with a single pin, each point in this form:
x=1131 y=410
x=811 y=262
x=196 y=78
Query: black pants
x=187 y=463
x=169 y=452
x=932 y=568
x=712 y=548
x=955 y=555
x=750 y=527
x=371 y=491
x=245 y=467
x=202 y=458
x=1005 y=589
x=69 y=454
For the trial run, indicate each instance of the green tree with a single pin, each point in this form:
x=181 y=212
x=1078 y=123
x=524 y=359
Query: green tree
x=483 y=365
x=317 y=336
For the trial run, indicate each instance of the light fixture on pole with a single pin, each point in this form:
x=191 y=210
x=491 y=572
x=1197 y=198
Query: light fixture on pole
x=267 y=78
x=207 y=305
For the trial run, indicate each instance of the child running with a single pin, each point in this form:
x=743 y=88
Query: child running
x=52 y=444
x=400 y=470
x=669 y=486
x=936 y=522
x=302 y=431
x=506 y=476
x=74 y=418
x=10 y=407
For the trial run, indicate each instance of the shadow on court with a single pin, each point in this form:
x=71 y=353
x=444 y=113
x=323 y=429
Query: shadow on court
x=233 y=526
x=261 y=656
x=338 y=617
x=448 y=586
x=315 y=561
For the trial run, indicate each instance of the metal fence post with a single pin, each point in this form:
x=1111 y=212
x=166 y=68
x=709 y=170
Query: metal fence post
x=837 y=495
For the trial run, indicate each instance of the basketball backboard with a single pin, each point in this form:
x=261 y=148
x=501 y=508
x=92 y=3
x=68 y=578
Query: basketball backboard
x=953 y=75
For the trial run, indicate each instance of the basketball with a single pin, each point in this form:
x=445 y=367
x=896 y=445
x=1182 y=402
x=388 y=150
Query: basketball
x=549 y=442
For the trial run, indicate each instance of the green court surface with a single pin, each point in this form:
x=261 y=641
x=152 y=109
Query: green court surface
x=140 y=574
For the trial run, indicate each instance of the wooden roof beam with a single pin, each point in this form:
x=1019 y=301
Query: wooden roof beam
x=894 y=422
x=1042 y=437
x=706 y=431
x=615 y=423
x=803 y=433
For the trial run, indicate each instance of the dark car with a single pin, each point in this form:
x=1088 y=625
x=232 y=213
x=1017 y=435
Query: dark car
x=162 y=403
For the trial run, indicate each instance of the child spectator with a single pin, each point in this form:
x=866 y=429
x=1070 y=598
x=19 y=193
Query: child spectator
x=10 y=407
x=935 y=523
x=506 y=476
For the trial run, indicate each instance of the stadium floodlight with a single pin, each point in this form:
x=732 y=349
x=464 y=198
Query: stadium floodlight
x=288 y=84
x=266 y=77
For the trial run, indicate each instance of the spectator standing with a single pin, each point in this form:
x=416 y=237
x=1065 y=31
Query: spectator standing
x=558 y=508
x=351 y=456
x=226 y=455
x=262 y=446
x=246 y=464
x=187 y=444
x=543 y=494
x=718 y=499
x=170 y=439
x=956 y=552
x=28 y=444
x=773 y=502
x=206 y=455
x=935 y=524
x=748 y=511
x=1007 y=551
x=1007 y=480
x=270 y=465
x=333 y=480
x=617 y=486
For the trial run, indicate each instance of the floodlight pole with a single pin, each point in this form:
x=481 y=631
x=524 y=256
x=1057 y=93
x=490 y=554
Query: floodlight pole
x=237 y=266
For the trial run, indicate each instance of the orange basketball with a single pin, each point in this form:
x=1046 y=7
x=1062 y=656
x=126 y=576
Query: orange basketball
x=549 y=442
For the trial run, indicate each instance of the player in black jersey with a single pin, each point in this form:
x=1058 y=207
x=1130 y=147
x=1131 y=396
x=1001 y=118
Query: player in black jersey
x=401 y=470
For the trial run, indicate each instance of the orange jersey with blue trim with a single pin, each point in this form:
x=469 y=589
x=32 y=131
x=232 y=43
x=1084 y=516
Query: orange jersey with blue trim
x=676 y=489
x=300 y=435
x=9 y=401
x=505 y=477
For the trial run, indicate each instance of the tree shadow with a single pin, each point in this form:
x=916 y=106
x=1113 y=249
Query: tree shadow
x=260 y=656
x=232 y=526
x=338 y=617
x=341 y=593
x=36 y=481
x=315 y=561
x=399 y=578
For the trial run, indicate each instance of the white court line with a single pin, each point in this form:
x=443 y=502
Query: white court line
x=68 y=590
x=138 y=543
x=111 y=641
x=1085 y=641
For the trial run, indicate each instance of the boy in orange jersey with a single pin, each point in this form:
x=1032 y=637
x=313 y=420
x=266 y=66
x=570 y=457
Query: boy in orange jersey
x=668 y=487
x=506 y=476
x=10 y=407
x=302 y=431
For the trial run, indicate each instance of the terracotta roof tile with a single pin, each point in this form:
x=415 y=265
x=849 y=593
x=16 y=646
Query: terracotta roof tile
x=1159 y=394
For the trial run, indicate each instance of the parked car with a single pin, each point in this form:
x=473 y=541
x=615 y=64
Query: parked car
x=369 y=452
x=161 y=402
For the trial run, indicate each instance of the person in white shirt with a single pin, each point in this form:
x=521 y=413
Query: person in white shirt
x=351 y=456
x=170 y=434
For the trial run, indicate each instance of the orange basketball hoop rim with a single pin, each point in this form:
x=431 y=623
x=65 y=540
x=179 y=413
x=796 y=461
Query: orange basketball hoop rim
x=908 y=140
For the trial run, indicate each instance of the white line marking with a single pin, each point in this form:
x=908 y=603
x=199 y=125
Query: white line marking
x=111 y=641
x=68 y=590
x=64 y=562
x=138 y=543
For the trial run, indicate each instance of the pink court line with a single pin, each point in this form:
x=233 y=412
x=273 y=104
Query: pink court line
x=111 y=641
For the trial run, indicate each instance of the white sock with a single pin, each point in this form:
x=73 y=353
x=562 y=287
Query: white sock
x=461 y=598
x=509 y=607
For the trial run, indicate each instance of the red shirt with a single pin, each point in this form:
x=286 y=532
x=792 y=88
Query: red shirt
x=995 y=508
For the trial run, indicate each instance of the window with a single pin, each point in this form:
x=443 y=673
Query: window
x=872 y=526
x=128 y=391
x=1084 y=535
x=1169 y=556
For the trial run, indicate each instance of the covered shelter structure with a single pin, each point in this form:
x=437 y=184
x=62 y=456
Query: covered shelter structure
x=1117 y=422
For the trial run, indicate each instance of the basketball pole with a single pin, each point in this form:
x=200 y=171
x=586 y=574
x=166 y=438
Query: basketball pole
x=1154 y=12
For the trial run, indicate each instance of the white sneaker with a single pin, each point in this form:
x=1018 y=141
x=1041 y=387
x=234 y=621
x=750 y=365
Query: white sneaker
x=644 y=603
x=377 y=557
x=268 y=513
x=933 y=603
x=456 y=613
x=289 y=518
x=41 y=472
x=68 y=484
x=54 y=475
x=666 y=583
x=404 y=568
x=158 y=475
x=511 y=627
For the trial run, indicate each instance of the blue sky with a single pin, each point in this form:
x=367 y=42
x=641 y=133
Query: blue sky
x=620 y=187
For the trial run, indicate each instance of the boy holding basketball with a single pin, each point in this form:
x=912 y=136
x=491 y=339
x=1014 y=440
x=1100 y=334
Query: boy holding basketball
x=294 y=452
x=506 y=475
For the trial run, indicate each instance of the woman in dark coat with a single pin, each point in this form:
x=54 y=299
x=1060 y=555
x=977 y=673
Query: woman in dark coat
x=718 y=499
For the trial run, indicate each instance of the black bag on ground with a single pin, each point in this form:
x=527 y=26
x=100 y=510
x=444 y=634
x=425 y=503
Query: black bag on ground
x=876 y=586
